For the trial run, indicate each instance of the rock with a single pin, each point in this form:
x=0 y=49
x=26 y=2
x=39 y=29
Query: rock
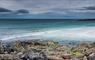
x=74 y=58
x=55 y=58
x=84 y=58
x=91 y=56
x=34 y=55
x=66 y=56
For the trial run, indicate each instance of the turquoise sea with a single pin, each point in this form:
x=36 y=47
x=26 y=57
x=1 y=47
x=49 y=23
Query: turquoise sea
x=47 y=29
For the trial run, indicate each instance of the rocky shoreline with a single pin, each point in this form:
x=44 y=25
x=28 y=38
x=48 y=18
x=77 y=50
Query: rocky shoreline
x=46 y=50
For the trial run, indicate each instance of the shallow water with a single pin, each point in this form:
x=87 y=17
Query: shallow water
x=47 y=29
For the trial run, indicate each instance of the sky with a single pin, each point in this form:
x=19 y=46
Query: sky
x=47 y=9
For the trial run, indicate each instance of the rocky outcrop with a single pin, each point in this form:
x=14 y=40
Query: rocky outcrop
x=49 y=50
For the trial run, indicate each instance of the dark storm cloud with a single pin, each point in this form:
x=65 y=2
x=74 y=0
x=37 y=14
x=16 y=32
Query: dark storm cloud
x=7 y=11
x=22 y=11
x=90 y=8
x=4 y=10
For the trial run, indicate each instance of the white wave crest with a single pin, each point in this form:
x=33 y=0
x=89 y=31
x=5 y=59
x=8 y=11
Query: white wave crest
x=81 y=33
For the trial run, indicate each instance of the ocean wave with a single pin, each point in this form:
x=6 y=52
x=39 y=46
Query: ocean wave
x=78 y=33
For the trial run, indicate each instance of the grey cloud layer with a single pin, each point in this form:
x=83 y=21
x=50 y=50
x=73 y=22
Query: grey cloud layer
x=41 y=6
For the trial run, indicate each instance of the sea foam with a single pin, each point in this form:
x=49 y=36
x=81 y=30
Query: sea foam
x=78 y=33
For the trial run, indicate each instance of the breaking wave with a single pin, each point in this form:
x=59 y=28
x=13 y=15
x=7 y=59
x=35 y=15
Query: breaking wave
x=78 y=33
